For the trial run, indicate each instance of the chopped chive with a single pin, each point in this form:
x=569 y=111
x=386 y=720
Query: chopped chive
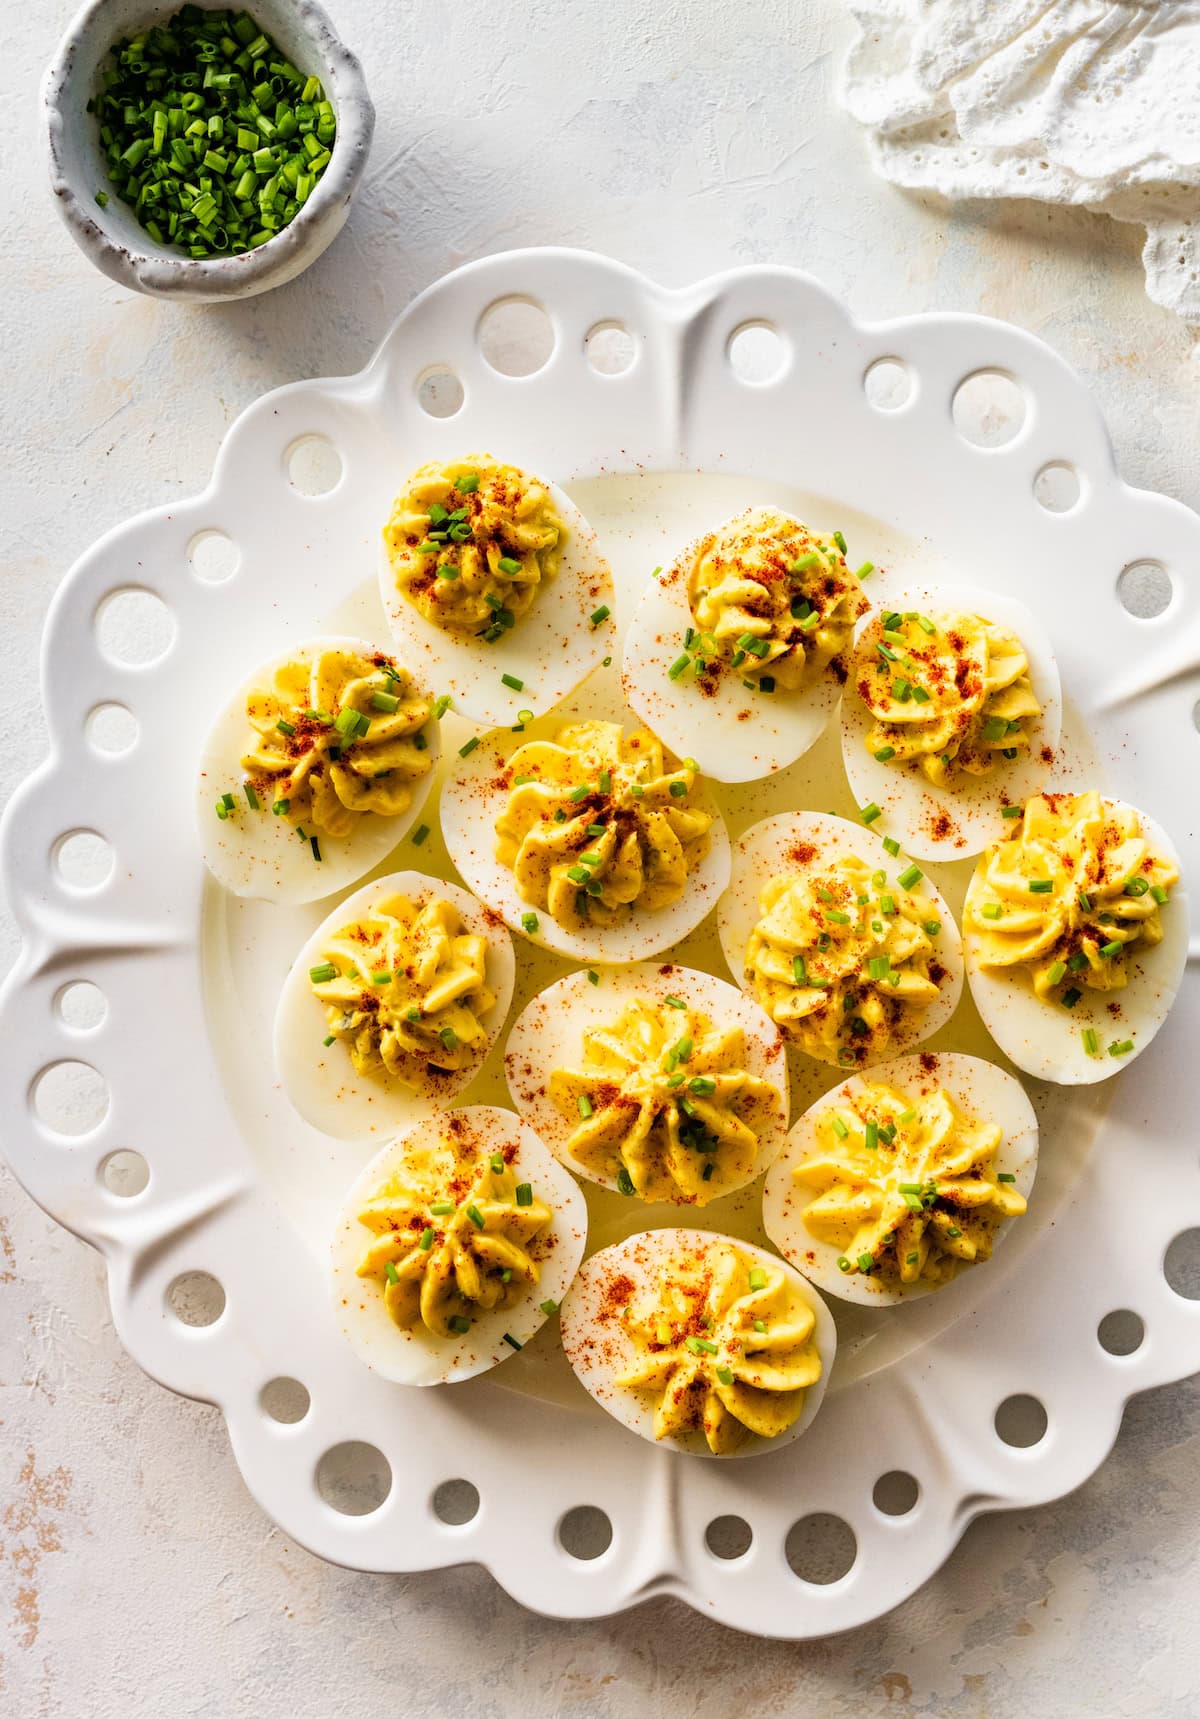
x=1077 y=962
x=393 y=1276
x=866 y=570
x=678 y=666
x=511 y=1340
x=701 y=1346
x=843 y=1263
x=441 y=705
x=674 y=1003
x=865 y=1261
x=703 y=1085
x=836 y=917
x=600 y=614
x=891 y=846
x=606 y=782
x=869 y=813
x=426 y=1241
x=529 y=922
x=1071 y=997
x=476 y=1216
x=758 y=1277
x=1010 y=811
x=1005 y=1176
x=280 y=808
x=910 y=877
x=420 y=834
x=1108 y=950
x=511 y=681
x=385 y=701
x=886 y=652
x=871 y=1137
x=585 y=1106
x=458 y=1324
x=1041 y=886
x=327 y=1041
x=840 y=541
x=524 y=1194
x=251 y=796
x=1159 y=894
x=887 y=905
x=799 y=970
x=1085 y=901
x=1091 y=1040
x=549 y=1306
x=932 y=927
x=467 y=484
x=449 y=1038
x=285 y=727
x=725 y=1375
x=508 y=565
x=839 y=1128
x=412 y=1014
x=1137 y=886
x=593 y=976
x=624 y=1180
x=322 y=974
x=1057 y=973
x=381 y=976
x=991 y=910
x=496 y=1162
x=1120 y=1047
x=524 y=717
x=884 y=753
x=441 y=1208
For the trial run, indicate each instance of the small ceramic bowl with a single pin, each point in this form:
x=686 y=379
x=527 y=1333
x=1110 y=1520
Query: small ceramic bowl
x=112 y=237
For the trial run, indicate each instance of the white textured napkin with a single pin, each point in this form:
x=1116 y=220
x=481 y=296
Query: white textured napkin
x=1089 y=102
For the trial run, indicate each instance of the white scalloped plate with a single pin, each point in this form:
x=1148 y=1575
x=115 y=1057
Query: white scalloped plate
x=190 y=978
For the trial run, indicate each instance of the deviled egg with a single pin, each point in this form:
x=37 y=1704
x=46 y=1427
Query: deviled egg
x=893 y=1183
x=587 y=836
x=848 y=947
x=953 y=712
x=454 y=1246
x=700 y=1342
x=317 y=766
x=494 y=587
x=1076 y=932
x=738 y=652
x=652 y=1080
x=392 y=1004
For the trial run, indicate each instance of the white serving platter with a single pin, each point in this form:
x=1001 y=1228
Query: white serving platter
x=241 y=1190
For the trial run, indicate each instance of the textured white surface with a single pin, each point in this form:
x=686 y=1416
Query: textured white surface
x=135 y=1575
x=1094 y=103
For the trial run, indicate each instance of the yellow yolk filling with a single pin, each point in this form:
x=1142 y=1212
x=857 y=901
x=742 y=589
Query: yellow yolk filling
x=600 y=825
x=664 y=1103
x=907 y=1189
x=770 y=598
x=837 y=956
x=1066 y=895
x=725 y=1346
x=452 y=1238
x=470 y=543
x=404 y=988
x=949 y=692
x=337 y=735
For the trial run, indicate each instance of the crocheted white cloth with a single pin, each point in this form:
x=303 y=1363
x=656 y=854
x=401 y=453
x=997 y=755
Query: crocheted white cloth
x=1089 y=102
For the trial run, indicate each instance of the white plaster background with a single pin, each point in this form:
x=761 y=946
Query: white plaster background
x=136 y=1576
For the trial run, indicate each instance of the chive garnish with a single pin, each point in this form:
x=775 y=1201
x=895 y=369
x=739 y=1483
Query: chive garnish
x=865 y=1261
x=280 y=808
x=1057 y=973
x=285 y=727
x=1071 y=997
x=701 y=1346
x=426 y=1241
x=678 y=666
x=884 y=753
x=476 y=1216
x=593 y=976
x=725 y=1375
x=1091 y=1040
x=420 y=834
x=910 y=877
x=467 y=484
x=441 y=705
x=991 y=910
x=843 y=1263
x=1120 y=1047
x=674 y=1003
x=386 y=702
x=327 y=1041
x=1159 y=894
x=513 y=684
x=1108 y=950
x=529 y=922
x=458 y=1324
x=868 y=814
x=322 y=974
x=891 y=845
x=441 y=1208
x=393 y=1276
x=1010 y=811
x=624 y=1180
x=524 y=1194
x=1041 y=886
x=865 y=571
x=871 y=1137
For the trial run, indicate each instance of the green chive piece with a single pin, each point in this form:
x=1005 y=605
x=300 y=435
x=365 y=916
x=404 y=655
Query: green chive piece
x=678 y=666
x=467 y=484
x=441 y=1208
x=910 y=877
x=382 y=976
x=524 y=1194
x=251 y=796
x=322 y=974
x=725 y=1375
x=1085 y=901
x=1041 y=886
x=1011 y=811
x=458 y=1324
x=865 y=571
x=1108 y=950
x=440 y=706
x=506 y=564
x=496 y=1162
x=549 y=1307
x=871 y=1136
x=1120 y=1047
x=593 y=976
x=426 y=1241
x=1071 y=997
x=530 y=922
x=420 y=835
x=585 y=1106
x=393 y=1276
x=1159 y=894
x=524 y=717
x=386 y=702
x=449 y=1038
x=624 y=1180
x=991 y=910
x=280 y=808
x=674 y=1003
x=468 y=746
x=1057 y=973
x=843 y=1263
x=1137 y=886
x=840 y=541
x=884 y=753
x=600 y=614
x=1091 y=1040
x=701 y=1346
x=868 y=814
x=476 y=1216
x=758 y=1277
x=865 y=1261
x=285 y=727
x=513 y=684
x=891 y=845
x=839 y=1128
x=327 y=1041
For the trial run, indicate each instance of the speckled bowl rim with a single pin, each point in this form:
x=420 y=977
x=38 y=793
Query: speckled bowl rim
x=160 y=271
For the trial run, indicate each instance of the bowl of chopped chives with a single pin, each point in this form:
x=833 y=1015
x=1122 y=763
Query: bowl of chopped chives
x=201 y=152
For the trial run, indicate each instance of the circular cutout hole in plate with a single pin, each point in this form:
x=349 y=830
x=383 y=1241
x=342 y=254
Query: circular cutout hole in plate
x=728 y=1537
x=757 y=354
x=134 y=628
x=314 y=466
x=895 y=1493
x=1021 y=1421
x=284 y=1400
x=213 y=557
x=820 y=1549
x=1121 y=1332
x=81 y=1006
x=585 y=1533
x=111 y=729
x=1144 y=589
x=516 y=337
x=196 y=1299
x=455 y=1502
x=610 y=348
x=1056 y=487
x=988 y=409
x=125 y=1174
x=1181 y=1265
x=83 y=859
x=888 y=384
x=354 y=1478
x=439 y=393
x=69 y=1098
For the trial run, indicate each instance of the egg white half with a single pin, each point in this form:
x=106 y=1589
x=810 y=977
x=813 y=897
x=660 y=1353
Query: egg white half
x=1045 y=1039
x=255 y=853
x=735 y=733
x=552 y=647
x=419 y=1356
x=954 y=823
x=983 y=1092
x=548 y=1034
x=475 y=795
x=600 y=1349
x=765 y=851
x=320 y=1080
